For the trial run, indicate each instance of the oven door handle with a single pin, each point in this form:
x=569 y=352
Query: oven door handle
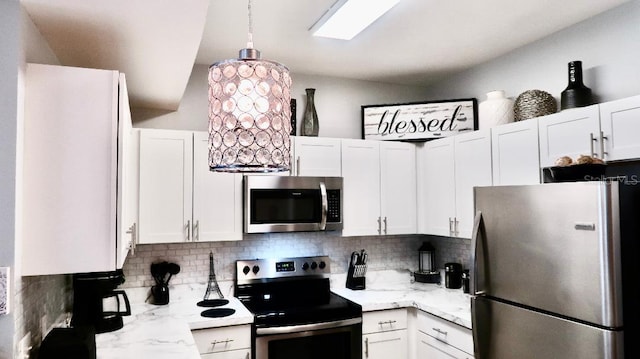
x=325 y=206
x=308 y=327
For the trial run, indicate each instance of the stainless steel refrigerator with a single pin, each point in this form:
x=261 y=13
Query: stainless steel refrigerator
x=547 y=272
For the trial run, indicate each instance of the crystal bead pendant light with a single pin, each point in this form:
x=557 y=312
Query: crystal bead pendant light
x=249 y=113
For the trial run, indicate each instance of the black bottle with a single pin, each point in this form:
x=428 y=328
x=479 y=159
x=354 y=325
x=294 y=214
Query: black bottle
x=576 y=94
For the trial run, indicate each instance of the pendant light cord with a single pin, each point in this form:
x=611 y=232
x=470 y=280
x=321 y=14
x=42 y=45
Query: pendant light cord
x=250 y=41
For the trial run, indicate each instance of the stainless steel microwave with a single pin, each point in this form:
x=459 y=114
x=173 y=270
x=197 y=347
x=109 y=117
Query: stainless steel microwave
x=292 y=204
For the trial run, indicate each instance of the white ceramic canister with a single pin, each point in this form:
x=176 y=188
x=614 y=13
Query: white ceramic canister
x=495 y=110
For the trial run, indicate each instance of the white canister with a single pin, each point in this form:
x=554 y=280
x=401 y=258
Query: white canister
x=495 y=110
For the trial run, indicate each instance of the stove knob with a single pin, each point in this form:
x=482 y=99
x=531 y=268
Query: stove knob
x=246 y=270
x=305 y=266
x=256 y=269
x=314 y=265
x=322 y=265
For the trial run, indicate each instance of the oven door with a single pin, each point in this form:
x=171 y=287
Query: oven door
x=336 y=340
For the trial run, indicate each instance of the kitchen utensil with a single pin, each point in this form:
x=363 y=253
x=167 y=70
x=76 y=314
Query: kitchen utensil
x=172 y=269
x=357 y=270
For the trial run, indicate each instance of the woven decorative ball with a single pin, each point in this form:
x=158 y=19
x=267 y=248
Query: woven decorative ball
x=534 y=103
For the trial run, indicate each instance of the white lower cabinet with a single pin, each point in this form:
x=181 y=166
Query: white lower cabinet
x=384 y=334
x=439 y=339
x=233 y=342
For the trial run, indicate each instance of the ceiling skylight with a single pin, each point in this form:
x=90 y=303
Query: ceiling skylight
x=347 y=18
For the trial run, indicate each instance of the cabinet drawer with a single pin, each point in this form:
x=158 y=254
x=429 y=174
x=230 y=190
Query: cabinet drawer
x=233 y=354
x=222 y=339
x=384 y=320
x=431 y=348
x=446 y=332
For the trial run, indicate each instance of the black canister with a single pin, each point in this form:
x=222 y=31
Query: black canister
x=453 y=275
x=465 y=281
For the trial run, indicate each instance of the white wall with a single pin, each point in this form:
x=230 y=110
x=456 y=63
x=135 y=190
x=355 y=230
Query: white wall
x=337 y=102
x=10 y=58
x=608 y=46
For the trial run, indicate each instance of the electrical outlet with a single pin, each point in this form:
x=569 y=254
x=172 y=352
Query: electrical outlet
x=24 y=347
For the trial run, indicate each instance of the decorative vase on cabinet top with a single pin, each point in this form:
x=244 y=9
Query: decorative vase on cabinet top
x=576 y=94
x=310 y=120
x=495 y=110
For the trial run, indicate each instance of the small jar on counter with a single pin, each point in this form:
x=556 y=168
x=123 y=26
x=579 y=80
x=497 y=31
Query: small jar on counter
x=465 y=281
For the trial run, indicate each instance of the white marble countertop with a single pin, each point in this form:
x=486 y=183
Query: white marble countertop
x=393 y=289
x=164 y=331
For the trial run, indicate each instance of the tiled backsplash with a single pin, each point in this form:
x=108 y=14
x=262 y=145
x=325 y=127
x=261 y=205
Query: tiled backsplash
x=40 y=297
x=388 y=252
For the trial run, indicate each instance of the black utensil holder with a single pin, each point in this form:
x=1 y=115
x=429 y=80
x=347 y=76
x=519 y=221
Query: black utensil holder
x=356 y=276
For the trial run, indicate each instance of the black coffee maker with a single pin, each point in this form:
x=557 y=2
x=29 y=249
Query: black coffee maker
x=96 y=303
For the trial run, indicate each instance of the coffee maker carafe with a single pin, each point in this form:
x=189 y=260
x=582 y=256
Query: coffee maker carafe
x=96 y=303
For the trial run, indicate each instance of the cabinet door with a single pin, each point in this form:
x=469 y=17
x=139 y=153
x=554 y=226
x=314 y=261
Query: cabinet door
x=361 y=173
x=385 y=345
x=127 y=218
x=217 y=198
x=438 y=183
x=316 y=156
x=166 y=159
x=620 y=121
x=472 y=168
x=570 y=133
x=430 y=348
x=69 y=170
x=515 y=154
x=398 y=187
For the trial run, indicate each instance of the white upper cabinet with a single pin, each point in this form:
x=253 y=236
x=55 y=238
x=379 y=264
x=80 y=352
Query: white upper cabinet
x=361 y=196
x=472 y=168
x=398 y=187
x=379 y=187
x=620 y=124
x=70 y=170
x=127 y=221
x=316 y=156
x=217 y=198
x=572 y=133
x=180 y=199
x=449 y=169
x=515 y=155
x=436 y=184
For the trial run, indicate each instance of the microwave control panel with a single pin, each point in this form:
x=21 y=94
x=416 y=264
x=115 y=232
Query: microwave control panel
x=333 y=205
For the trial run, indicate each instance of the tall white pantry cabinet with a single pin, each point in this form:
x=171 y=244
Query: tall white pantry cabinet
x=70 y=168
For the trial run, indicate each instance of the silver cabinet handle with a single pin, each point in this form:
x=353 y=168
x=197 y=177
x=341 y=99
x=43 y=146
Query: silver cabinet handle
x=390 y=322
x=134 y=238
x=450 y=226
x=455 y=226
x=439 y=331
x=385 y=225
x=603 y=153
x=325 y=206
x=196 y=231
x=379 y=225
x=188 y=228
x=298 y=166
x=226 y=341
x=366 y=347
x=592 y=140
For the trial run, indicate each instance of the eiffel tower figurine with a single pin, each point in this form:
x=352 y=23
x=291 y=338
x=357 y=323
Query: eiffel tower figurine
x=213 y=290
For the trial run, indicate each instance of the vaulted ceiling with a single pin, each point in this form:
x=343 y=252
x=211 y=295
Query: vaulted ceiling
x=156 y=43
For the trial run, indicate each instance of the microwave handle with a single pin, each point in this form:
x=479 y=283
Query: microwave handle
x=325 y=206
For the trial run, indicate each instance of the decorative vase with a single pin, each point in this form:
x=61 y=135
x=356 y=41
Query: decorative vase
x=495 y=110
x=576 y=94
x=310 y=119
x=534 y=103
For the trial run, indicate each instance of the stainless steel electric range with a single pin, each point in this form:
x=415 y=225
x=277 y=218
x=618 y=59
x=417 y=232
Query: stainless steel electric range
x=295 y=313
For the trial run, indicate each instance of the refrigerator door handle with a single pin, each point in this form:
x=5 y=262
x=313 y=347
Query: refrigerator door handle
x=474 y=329
x=475 y=242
